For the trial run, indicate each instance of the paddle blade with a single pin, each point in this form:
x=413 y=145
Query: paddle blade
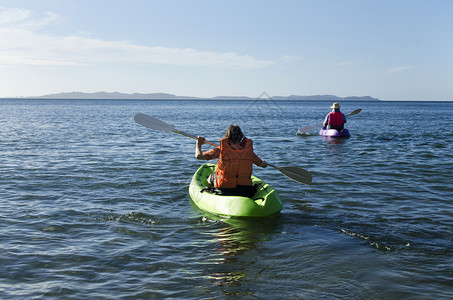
x=354 y=112
x=296 y=174
x=152 y=123
x=305 y=130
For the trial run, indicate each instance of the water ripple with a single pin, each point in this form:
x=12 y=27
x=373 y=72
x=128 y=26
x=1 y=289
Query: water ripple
x=95 y=206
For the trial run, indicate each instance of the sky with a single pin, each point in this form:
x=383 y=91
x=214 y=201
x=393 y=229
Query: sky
x=387 y=49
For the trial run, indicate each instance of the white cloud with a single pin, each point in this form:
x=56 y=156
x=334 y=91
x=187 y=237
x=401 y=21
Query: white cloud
x=22 y=44
x=12 y=15
x=289 y=59
x=400 y=69
x=350 y=63
x=346 y=63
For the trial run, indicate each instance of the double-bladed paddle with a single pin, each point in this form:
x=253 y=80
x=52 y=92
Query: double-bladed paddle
x=305 y=130
x=294 y=173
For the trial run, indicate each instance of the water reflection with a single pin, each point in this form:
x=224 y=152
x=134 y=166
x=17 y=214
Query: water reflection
x=235 y=242
x=336 y=140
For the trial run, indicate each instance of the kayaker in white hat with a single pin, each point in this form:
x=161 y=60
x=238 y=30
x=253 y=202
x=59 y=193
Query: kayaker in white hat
x=335 y=119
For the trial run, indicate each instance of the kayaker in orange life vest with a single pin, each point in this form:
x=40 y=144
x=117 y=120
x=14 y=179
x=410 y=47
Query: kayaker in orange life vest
x=235 y=164
x=335 y=119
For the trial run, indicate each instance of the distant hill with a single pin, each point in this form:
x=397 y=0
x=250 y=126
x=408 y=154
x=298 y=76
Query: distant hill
x=114 y=95
x=164 y=96
x=327 y=97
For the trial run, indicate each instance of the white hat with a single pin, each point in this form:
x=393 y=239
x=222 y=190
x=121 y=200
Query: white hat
x=336 y=105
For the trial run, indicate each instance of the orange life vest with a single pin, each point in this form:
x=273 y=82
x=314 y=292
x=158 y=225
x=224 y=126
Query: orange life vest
x=234 y=167
x=336 y=118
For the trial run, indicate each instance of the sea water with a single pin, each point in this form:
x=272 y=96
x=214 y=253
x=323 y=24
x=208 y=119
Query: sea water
x=95 y=206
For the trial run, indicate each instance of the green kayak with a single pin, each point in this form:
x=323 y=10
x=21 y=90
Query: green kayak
x=264 y=203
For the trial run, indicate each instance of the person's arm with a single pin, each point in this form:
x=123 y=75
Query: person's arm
x=344 y=118
x=198 y=153
x=326 y=121
x=207 y=155
x=258 y=161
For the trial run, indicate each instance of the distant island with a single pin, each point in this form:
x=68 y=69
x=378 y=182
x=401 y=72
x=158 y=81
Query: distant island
x=164 y=96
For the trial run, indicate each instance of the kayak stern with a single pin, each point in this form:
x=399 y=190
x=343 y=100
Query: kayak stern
x=264 y=203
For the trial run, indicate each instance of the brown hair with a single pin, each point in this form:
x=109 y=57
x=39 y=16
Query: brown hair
x=234 y=134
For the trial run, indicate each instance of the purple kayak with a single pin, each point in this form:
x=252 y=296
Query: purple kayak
x=333 y=133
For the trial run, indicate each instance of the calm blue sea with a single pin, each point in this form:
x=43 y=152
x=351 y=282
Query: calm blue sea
x=95 y=206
